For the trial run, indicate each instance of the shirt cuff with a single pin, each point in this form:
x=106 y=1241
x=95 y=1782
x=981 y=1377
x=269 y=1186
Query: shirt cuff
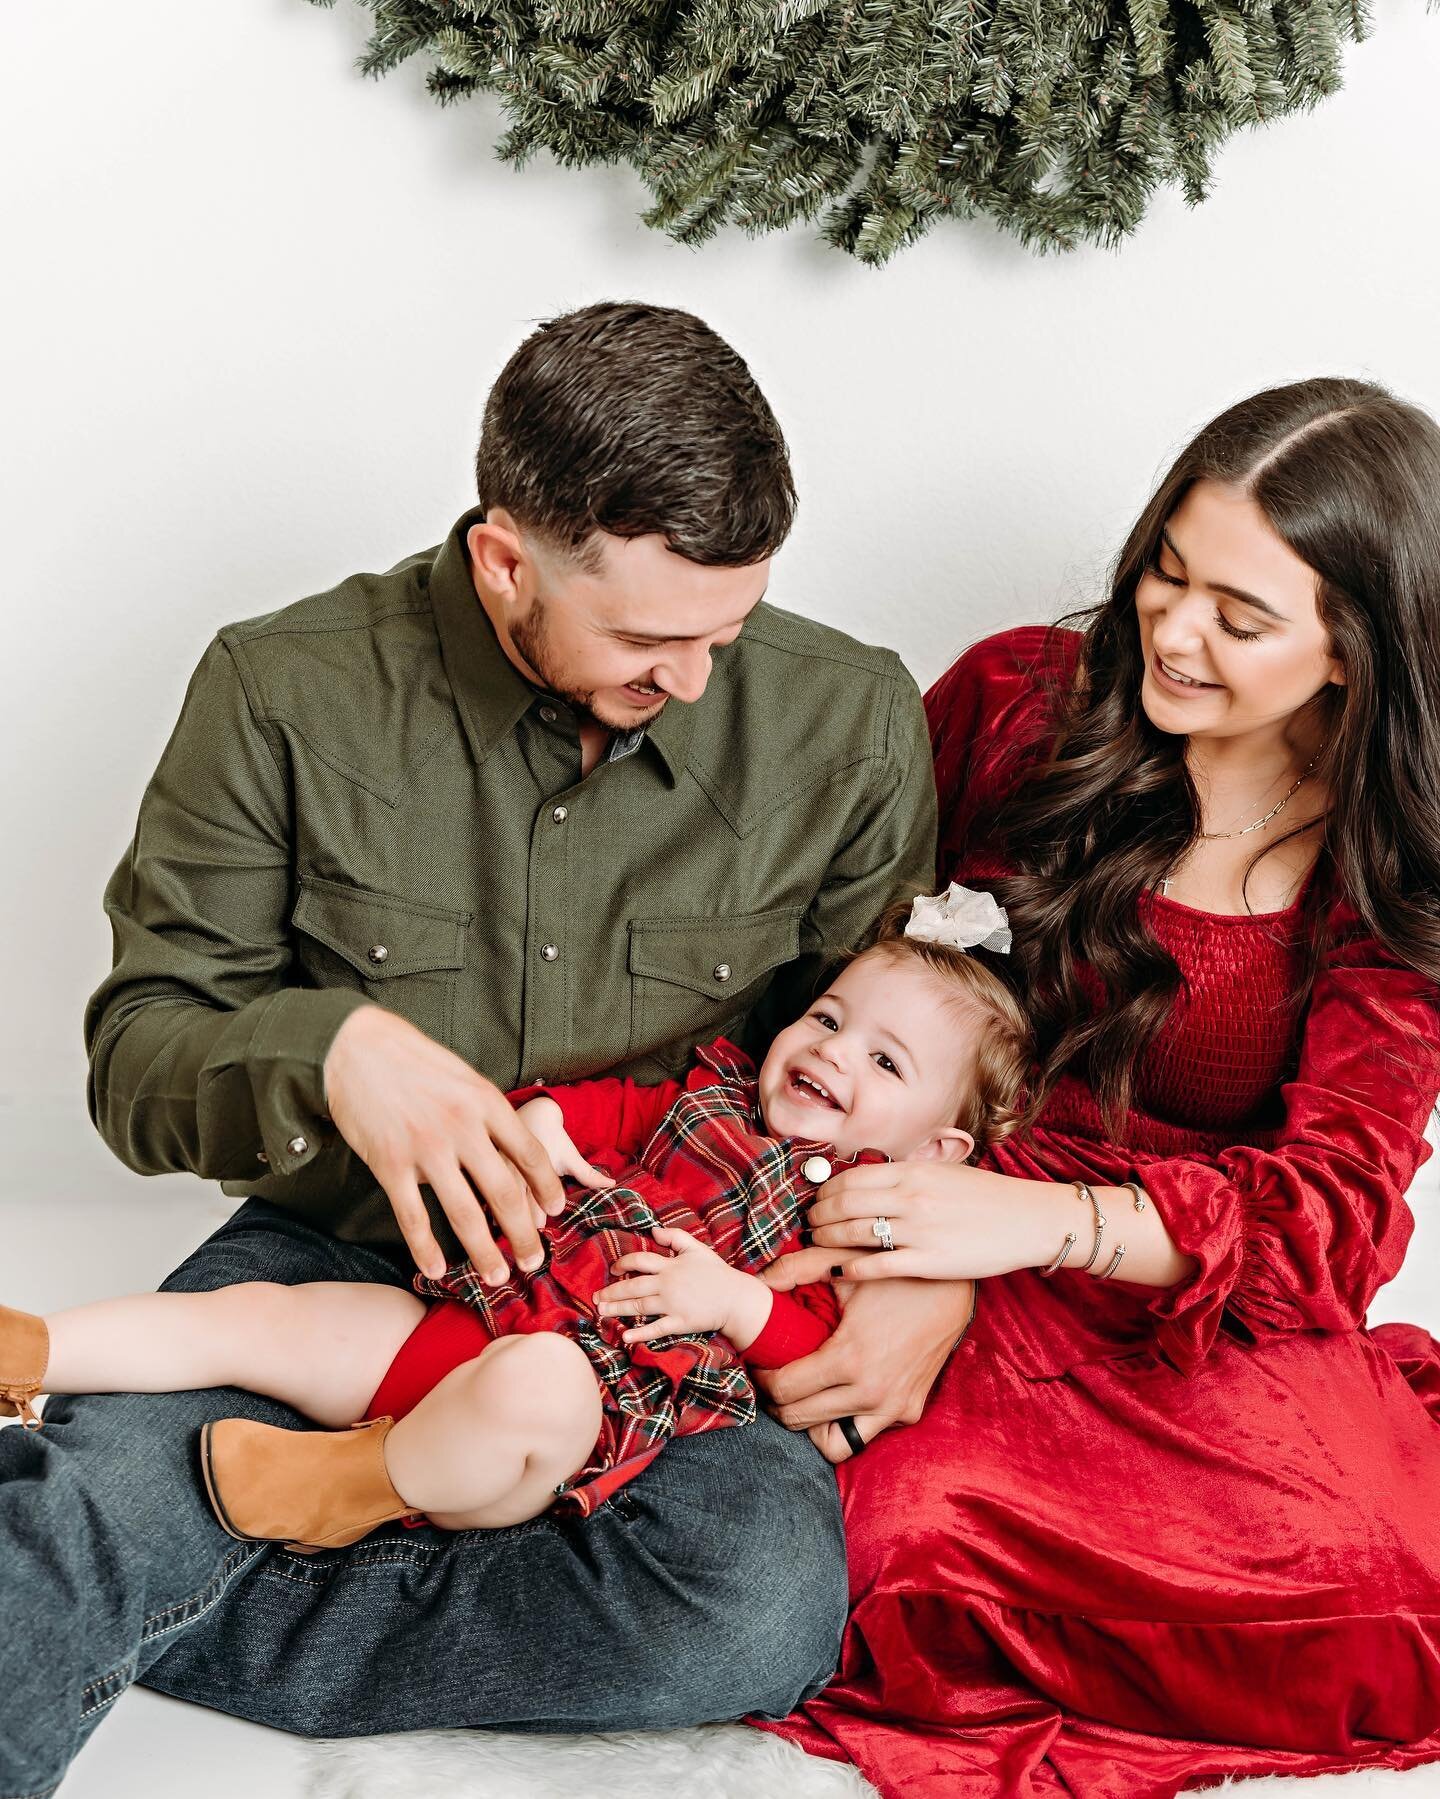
x=286 y=1067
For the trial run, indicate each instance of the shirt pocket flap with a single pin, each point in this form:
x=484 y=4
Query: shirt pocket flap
x=714 y=956
x=378 y=935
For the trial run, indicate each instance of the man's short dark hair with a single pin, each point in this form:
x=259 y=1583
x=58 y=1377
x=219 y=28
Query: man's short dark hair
x=635 y=419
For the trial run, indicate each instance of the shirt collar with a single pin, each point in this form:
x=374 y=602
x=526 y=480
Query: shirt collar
x=492 y=694
x=671 y=734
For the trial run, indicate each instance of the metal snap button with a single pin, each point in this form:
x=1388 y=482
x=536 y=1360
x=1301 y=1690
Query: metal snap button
x=549 y=714
x=817 y=1169
x=560 y=814
x=260 y=1156
x=377 y=952
x=297 y=1146
x=722 y=971
x=548 y=952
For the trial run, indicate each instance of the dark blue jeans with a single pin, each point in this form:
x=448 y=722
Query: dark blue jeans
x=712 y=1586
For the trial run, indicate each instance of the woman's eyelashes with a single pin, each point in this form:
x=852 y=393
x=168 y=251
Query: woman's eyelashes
x=1230 y=630
x=1153 y=567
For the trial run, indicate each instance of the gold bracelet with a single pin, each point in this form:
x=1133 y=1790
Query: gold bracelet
x=1084 y=1192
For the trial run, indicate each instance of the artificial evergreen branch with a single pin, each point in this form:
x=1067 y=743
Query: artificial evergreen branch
x=1058 y=119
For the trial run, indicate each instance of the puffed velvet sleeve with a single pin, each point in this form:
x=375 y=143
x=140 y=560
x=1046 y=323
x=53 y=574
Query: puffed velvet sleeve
x=1300 y=1234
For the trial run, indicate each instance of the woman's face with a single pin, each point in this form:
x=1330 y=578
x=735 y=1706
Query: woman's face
x=1229 y=622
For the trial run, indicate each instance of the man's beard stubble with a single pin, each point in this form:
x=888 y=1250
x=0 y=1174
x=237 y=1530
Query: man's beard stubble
x=531 y=636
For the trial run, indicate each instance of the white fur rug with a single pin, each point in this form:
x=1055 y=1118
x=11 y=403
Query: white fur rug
x=716 y=1761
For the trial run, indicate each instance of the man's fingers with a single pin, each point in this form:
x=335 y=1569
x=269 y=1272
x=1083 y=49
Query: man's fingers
x=799 y=1268
x=834 y=1445
x=884 y=1265
x=403 y=1192
x=513 y=1137
x=823 y=1408
x=506 y=1196
x=467 y=1220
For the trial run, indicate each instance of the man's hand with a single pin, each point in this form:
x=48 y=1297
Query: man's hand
x=692 y=1289
x=887 y=1351
x=414 y=1112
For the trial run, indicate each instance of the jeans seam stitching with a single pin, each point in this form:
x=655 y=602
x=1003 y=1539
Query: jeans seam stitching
x=192 y=1608
x=120 y=1677
x=206 y=1595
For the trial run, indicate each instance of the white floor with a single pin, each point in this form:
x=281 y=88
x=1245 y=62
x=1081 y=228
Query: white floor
x=75 y=1226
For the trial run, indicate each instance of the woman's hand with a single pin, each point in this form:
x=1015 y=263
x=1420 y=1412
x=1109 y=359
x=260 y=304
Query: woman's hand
x=692 y=1289
x=878 y=1367
x=948 y=1222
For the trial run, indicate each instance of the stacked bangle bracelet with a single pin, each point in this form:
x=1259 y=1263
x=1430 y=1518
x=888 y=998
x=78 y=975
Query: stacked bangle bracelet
x=1082 y=1191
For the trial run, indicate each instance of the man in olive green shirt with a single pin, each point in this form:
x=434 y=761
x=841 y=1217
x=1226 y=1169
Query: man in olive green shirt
x=559 y=796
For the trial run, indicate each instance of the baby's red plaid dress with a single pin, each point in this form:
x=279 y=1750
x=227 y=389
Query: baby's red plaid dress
x=697 y=1157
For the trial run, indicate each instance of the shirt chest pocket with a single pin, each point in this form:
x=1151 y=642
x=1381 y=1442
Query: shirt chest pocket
x=405 y=954
x=696 y=978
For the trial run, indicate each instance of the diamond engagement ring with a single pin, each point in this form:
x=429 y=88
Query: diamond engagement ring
x=881 y=1229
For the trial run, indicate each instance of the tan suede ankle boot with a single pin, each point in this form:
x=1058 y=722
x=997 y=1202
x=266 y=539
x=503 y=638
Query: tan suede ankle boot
x=308 y=1489
x=24 y=1354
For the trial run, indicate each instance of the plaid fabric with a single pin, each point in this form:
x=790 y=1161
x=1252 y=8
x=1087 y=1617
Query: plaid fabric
x=709 y=1169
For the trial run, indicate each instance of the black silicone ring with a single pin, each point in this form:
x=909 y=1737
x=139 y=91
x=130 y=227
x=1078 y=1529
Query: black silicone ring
x=851 y=1434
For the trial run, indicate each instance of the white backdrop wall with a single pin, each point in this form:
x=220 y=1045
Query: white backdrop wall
x=252 y=304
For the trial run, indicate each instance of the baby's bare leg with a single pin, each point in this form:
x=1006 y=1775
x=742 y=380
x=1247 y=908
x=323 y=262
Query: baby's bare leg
x=320 y=1347
x=495 y=1438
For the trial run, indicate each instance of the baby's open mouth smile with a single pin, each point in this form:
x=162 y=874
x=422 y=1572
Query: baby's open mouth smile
x=811 y=1091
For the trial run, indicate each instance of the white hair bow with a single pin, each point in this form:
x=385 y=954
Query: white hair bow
x=962 y=918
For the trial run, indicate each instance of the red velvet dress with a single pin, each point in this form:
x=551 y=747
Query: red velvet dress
x=1143 y=1540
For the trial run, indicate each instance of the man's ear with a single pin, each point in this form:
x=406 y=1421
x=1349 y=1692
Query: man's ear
x=948 y=1145
x=497 y=556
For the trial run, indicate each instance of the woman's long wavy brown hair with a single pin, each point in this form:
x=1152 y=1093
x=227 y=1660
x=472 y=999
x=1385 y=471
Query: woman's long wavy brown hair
x=1349 y=477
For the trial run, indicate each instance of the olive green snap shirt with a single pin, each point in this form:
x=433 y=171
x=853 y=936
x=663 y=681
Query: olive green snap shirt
x=363 y=800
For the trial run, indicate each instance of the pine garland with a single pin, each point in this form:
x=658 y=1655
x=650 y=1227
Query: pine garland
x=1057 y=118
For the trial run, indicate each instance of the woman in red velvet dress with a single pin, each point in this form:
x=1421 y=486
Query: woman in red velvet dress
x=1175 y=1514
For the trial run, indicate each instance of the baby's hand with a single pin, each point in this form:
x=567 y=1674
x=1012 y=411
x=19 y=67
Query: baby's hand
x=545 y=1122
x=691 y=1290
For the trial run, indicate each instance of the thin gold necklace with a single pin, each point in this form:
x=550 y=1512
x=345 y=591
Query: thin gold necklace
x=1274 y=812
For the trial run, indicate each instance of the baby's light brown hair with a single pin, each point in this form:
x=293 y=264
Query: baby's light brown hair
x=992 y=1104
